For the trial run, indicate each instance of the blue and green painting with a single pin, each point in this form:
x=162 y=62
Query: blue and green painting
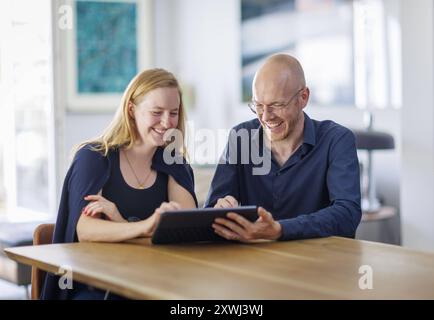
x=106 y=44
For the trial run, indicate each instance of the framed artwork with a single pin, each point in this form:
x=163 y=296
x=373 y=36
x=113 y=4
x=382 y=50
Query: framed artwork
x=110 y=42
x=318 y=32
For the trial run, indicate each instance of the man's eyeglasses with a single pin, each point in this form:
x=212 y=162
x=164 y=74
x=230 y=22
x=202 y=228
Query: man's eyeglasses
x=258 y=108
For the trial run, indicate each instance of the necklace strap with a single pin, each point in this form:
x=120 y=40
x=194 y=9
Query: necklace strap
x=141 y=185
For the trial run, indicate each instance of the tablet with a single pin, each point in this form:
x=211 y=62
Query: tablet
x=195 y=225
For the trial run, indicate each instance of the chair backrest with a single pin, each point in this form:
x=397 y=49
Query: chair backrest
x=43 y=235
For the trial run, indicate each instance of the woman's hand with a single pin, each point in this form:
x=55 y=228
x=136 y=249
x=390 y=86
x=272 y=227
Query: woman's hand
x=226 y=202
x=152 y=221
x=100 y=206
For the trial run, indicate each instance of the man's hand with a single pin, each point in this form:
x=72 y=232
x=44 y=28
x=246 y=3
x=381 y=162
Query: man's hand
x=238 y=228
x=226 y=202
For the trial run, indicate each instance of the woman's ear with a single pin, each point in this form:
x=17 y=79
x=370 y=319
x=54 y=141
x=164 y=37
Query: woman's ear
x=131 y=109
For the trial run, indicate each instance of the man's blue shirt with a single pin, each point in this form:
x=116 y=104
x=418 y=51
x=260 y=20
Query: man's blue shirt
x=316 y=193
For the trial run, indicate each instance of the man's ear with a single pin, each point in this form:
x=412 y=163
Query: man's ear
x=305 y=95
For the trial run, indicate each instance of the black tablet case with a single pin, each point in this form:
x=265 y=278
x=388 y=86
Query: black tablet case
x=195 y=225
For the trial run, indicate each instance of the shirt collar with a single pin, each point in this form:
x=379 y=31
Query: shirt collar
x=308 y=131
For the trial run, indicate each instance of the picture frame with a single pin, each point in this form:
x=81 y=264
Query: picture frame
x=302 y=29
x=110 y=42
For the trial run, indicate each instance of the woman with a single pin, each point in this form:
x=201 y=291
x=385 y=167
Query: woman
x=119 y=184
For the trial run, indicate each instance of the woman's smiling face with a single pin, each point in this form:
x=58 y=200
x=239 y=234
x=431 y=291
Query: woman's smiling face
x=157 y=112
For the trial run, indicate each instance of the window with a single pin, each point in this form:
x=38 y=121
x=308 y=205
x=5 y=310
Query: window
x=26 y=107
x=377 y=43
x=349 y=49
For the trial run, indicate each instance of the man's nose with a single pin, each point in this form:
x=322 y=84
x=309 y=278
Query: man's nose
x=267 y=114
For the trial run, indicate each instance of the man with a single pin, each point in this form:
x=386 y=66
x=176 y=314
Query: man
x=312 y=188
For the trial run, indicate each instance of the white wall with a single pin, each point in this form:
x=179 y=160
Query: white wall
x=417 y=185
x=206 y=57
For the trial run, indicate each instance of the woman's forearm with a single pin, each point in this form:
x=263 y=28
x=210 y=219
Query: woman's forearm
x=180 y=195
x=98 y=230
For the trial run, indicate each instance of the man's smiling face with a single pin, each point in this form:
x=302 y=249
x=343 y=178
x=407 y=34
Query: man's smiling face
x=280 y=99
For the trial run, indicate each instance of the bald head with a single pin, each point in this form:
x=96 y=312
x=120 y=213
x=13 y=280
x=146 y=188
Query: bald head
x=280 y=72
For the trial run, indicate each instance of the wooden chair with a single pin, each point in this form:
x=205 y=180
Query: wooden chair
x=43 y=235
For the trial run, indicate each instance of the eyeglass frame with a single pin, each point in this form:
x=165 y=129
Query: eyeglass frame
x=275 y=106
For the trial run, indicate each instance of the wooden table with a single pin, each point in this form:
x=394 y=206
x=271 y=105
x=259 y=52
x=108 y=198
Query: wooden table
x=326 y=268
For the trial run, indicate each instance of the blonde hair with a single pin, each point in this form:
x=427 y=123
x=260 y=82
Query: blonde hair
x=122 y=131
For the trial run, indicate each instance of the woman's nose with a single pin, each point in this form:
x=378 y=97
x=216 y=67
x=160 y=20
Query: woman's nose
x=165 y=122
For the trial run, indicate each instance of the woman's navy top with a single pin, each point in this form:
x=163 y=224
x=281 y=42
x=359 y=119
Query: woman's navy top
x=91 y=172
x=134 y=204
